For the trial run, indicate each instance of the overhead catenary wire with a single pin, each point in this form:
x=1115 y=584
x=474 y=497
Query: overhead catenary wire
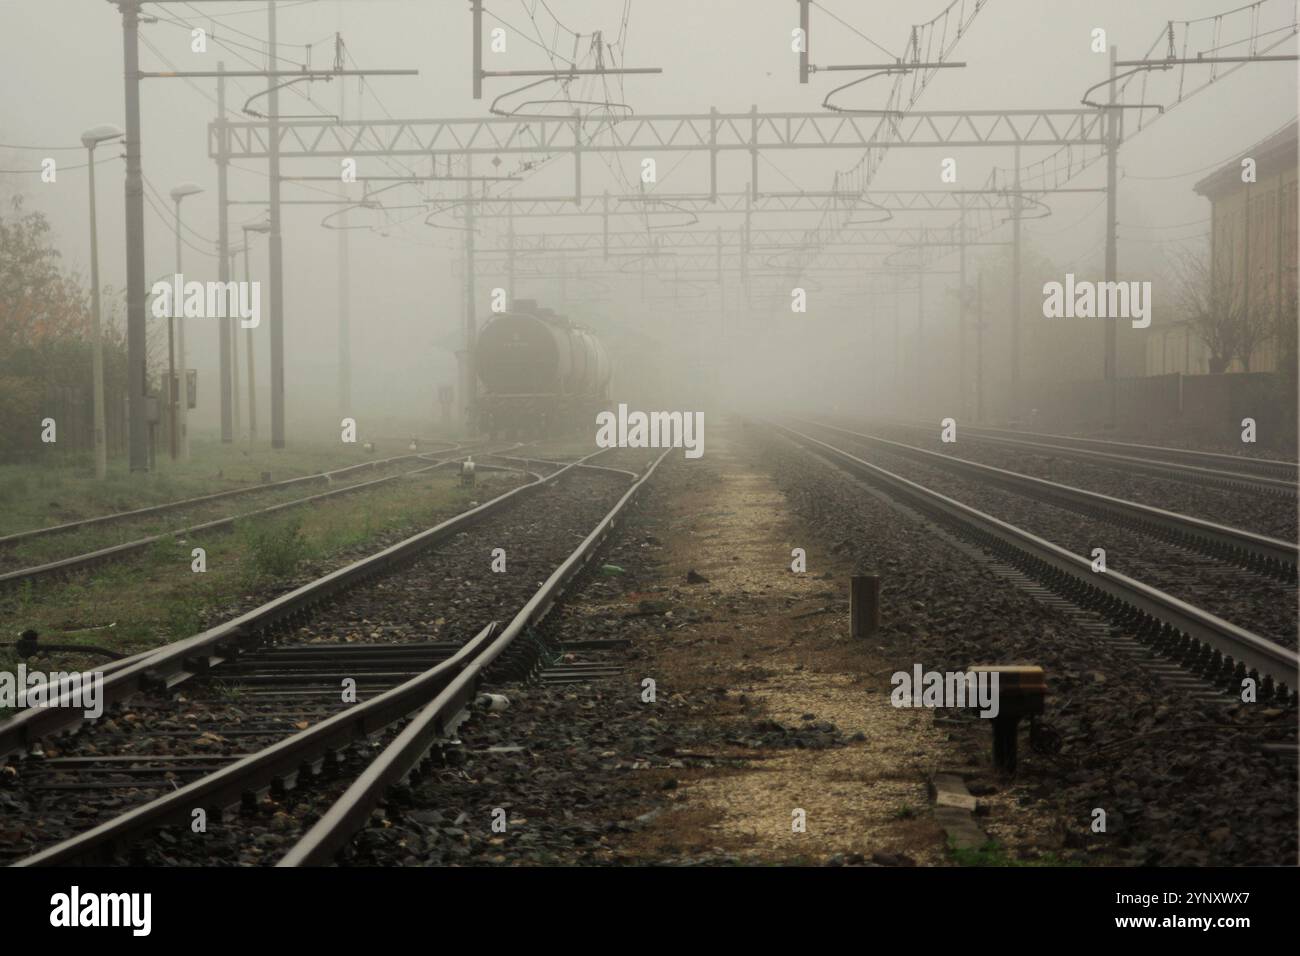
x=59 y=167
x=845 y=23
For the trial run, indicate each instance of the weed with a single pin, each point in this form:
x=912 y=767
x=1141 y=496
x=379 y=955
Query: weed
x=993 y=853
x=275 y=549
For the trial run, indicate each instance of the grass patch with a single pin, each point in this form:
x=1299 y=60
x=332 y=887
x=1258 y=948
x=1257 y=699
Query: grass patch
x=275 y=549
x=59 y=490
x=154 y=598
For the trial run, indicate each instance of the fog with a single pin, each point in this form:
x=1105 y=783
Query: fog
x=677 y=341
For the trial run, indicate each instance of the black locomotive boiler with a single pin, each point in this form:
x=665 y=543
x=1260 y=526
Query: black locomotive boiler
x=539 y=373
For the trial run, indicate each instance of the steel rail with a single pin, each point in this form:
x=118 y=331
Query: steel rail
x=1258 y=552
x=114 y=552
x=442 y=715
x=178 y=661
x=283 y=761
x=1199 y=474
x=1177 y=622
x=1273 y=468
x=547 y=461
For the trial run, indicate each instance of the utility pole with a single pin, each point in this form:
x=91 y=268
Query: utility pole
x=604 y=223
x=961 y=315
x=918 y=347
x=722 y=312
x=803 y=54
x=136 y=359
x=510 y=260
x=1110 y=368
x=252 y=366
x=1015 y=295
x=260 y=227
x=225 y=325
x=895 y=384
x=136 y=293
x=180 y=419
x=469 y=390
x=276 y=247
x=90 y=139
x=477 y=6
x=233 y=345
x=744 y=244
x=344 y=294
x=979 y=347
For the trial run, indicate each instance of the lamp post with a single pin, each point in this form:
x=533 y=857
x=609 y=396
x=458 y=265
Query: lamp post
x=180 y=411
x=262 y=227
x=90 y=139
x=233 y=335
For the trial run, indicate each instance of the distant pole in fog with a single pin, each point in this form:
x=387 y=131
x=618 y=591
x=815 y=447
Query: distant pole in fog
x=918 y=361
x=252 y=368
x=1110 y=370
x=469 y=387
x=961 y=314
x=90 y=139
x=180 y=421
x=894 y=383
x=225 y=324
x=510 y=257
x=233 y=345
x=979 y=346
x=276 y=255
x=344 y=296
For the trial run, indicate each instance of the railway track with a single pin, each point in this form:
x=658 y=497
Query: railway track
x=1206 y=646
x=83 y=561
x=275 y=707
x=1255 y=552
x=117 y=517
x=1226 y=571
x=1196 y=467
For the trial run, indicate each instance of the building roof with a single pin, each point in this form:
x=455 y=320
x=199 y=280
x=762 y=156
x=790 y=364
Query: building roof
x=1276 y=152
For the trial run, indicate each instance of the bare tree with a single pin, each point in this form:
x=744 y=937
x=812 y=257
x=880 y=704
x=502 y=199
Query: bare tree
x=1255 y=326
x=1285 y=329
x=1204 y=294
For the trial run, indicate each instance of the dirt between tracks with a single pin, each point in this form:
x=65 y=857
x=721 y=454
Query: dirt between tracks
x=774 y=709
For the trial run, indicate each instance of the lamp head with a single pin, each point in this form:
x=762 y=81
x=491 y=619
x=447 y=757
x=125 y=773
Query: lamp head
x=98 y=134
x=185 y=189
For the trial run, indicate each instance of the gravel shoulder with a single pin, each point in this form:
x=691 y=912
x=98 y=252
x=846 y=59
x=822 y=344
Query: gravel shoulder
x=762 y=707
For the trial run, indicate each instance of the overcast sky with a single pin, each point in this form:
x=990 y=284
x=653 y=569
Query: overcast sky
x=62 y=66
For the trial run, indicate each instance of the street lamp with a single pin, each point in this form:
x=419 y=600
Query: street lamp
x=180 y=412
x=90 y=139
x=262 y=227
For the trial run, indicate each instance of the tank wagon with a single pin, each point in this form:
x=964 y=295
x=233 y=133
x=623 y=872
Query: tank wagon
x=540 y=374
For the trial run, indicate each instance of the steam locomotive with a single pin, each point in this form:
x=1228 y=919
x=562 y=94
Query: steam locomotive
x=540 y=374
